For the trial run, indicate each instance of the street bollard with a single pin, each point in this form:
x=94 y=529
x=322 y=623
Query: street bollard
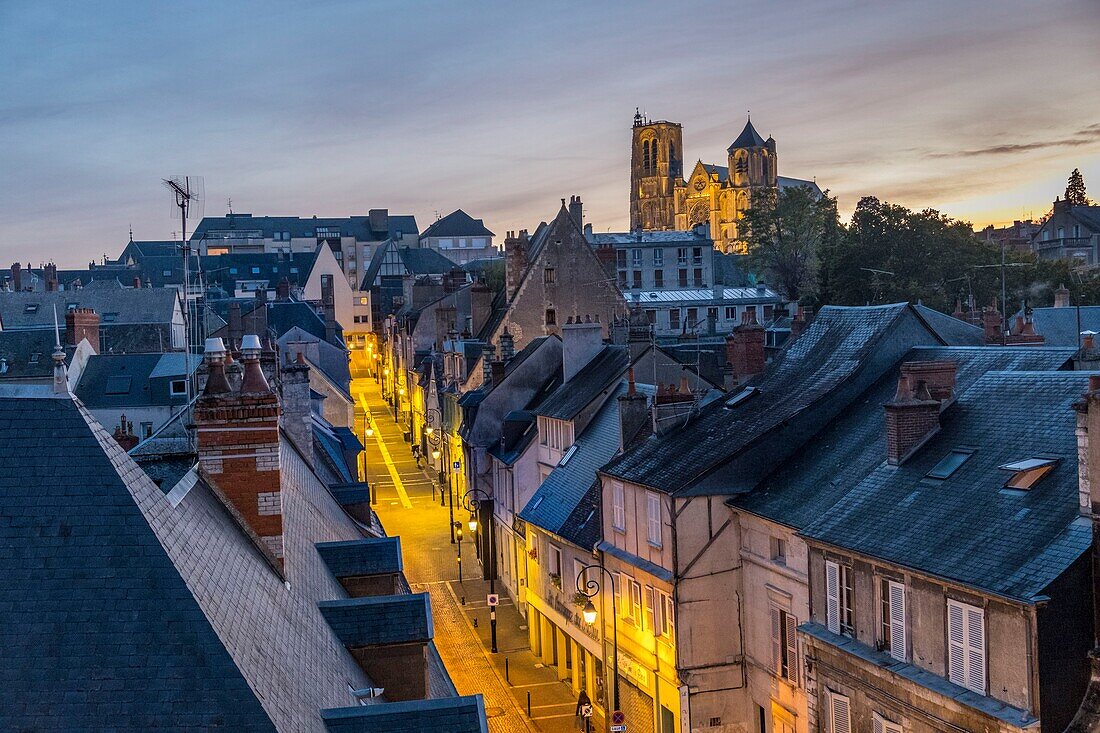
x=528 y=703
x=475 y=622
x=506 y=671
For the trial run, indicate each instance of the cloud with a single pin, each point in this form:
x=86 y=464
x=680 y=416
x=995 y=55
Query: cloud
x=1089 y=135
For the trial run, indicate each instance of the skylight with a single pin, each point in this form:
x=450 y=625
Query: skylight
x=741 y=396
x=1028 y=472
x=568 y=454
x=949 y=464
x=31 y=308
x=117 y=385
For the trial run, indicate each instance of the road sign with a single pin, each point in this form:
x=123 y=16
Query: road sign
x=586 y=711
x=458 y=465
x=618 y=718
x=494 y=599
x=618 y=729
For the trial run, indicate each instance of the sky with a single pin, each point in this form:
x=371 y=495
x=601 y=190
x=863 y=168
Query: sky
x=979 y=109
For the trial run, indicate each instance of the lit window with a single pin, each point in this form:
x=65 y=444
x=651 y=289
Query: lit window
x=1027 y=473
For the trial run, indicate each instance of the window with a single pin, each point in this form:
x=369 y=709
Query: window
x=637 y=283
x=949 y=464
x=364 y=301
x=681 y=256
x=548 y=276
x=779 y=550
x=636 y=257
x=553 y=565
x=697 y=255
x=731 y=313
x=658 y=257
x=966 y=646
x=653 y=516
x=892 y=612
x=147 y=429
x=784 y=645
x=166 y=273
x=692 y=317
x=712 y=316
x=697 y=277
x=34 y=358
x=255 y=271
x=838 y=599
x=880 y=724
x=1028 y=472
x=178 y=387
x=674 y=318
x=578 y=574
x=117 y=384
x=668 y=613
x=551 y=317
x=651 y=610
x=30 y=308
x=618 y=506
x=1061 y=232
x=658 y=278
x=838 y=712
x=636 y=603
x=651 y=316
x=682 y=278
x=232 y=270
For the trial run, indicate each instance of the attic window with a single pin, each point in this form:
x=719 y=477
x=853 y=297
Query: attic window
x=232 y=270
x=949 y=464
x=30 y=308
x=34 y=357
x=110 y=317
x=568 y=454
x=741 y=396
x=1028 y=472
x=294 y=270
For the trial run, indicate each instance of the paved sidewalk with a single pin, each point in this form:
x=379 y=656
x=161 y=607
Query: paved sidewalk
x=459 y=610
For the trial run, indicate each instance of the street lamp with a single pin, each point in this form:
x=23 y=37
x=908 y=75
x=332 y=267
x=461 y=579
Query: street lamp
x=472 y=501
x=589 y=588
x=457 y=527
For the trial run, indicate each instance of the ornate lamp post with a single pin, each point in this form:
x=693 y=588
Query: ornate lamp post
x=472 y=500
x=590 y=588
x=456 y=528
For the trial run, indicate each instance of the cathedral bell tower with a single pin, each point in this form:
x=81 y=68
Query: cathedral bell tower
x=752 y=161
x=656 y=169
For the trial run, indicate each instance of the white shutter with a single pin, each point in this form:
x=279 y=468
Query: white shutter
x=653 y=514
x=792 y=648
x=832 y=596
x=650 y=615
x=876 y=724
x=618 y=509
x=618 y=593
x=897 y=621
x=956 y=643
x=777 y=643
x=975 y=651
x=636 y=602
x=840 y=715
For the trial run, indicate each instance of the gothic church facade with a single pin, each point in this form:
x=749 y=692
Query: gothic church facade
x=661 y=198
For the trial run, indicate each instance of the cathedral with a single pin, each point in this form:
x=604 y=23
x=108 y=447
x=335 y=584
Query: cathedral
x=717 y=195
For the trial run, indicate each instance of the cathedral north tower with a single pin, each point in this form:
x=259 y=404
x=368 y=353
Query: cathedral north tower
x=656 y=166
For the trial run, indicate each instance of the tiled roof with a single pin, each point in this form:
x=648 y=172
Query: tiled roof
x=597 y=375
x=128 y=306
x=18 y=351
x=457 y=224
x=1059 y=326
x=299 y=228
x=809 y=380
x=966 y=528
x=121 y=605
x=371 y=620
x=130 y=380
x=368 y=556
x=951 y=329
x=749 y=138
x=453 y=715
x=854 y=444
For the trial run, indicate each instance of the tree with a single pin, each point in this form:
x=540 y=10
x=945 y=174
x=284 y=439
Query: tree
x=784 y=231
x=1075 y=189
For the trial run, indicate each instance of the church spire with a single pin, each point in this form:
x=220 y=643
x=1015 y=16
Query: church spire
x=749 y=138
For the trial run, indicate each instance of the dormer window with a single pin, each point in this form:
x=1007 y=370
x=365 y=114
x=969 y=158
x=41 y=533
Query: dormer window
x=1028 y=472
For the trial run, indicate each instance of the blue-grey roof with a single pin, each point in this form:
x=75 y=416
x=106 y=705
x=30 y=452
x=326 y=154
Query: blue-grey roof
x=966 y=528
x=854 y=444
x=641 y=563
x=379 y=620
x=457 y=224
x=449 y=715
x=594 y=377
x=27 y=354
x=299 y=228
x=127 y=380
x=561 y=492
x=749 y=138
x=806 y=384
x=951 y=329
x=116 y=305
x=1059 y=326
x=414 y=261
x=368 y=556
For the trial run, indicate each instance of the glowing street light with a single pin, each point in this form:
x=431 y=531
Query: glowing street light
x=473 y=522
x=589 y=613
x=435 y=454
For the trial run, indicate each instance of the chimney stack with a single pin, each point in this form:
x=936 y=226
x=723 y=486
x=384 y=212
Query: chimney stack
x=124 y=434
x=236 y=325
x=515 y=261
x=379 y=222
x=507 y=346
x=576 y=211
x=1061 y=297
x=137 y=282
x=633 y=411
x=16 y=277
x=481 y=305
x=991 y=324
x=328 y=303
x=282 y=289
x=913 y=416
x=800 y=321
x=580 y=343
x=745 y=347
x=297 y=417
x=672 y=407
x=50 y=272
x=238 y=445
x=80 y=324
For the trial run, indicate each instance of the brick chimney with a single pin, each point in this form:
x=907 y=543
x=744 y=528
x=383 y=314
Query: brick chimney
x=453 y=280
x=282 y=289
x=379 y=222
x=580 y=342
x=487 y=365
x=991 y=324
x=481 y=305
x=913 y=416
x=745 y=347
x=236 y=325
x=238 y=445
x=507 y=346
x=124 y=434
x=801 y=320
x=633 y=411
x=50 y=272
x=672 y=407
x=80 y=324
x=515 y=261
x=16 y=277
x=297 y=417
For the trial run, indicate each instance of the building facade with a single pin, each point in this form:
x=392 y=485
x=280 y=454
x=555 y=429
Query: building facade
x=460 y=238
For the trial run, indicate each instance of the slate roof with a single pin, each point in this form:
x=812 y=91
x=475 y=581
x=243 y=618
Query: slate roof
x=457 y=224
x=127 y=380
x=626 y=239
x=129 y=306
x=303 y=228
x=226 y=270
x=723 y=172
x=1058 y=326
x=951 y=329
x=17 y=350
x=966 y=528
x=371 y=620
x=595 y=377
x=786 y=182
x=120 y=605
x=455 y=715
x=802 y=382
x=749 y=138
x=729 y=269
x=806 y=486
x=416 y=261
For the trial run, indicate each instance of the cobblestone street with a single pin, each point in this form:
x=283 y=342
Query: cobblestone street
x=408 y=505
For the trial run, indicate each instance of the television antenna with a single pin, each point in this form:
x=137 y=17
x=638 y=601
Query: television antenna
x=188 y=195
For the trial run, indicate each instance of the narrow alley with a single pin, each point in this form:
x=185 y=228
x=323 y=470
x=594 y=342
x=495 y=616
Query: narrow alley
x=409 y=504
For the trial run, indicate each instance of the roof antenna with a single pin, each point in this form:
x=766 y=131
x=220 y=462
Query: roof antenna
x=131 y=234
x=229 y=205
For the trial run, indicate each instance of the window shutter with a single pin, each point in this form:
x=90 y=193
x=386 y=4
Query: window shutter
x=832 y=597
x=876 y=724
x=792 y=648
x=897 y=621
x=650 y=614
x=975 y=642
x=777 y=649
x=956 y=643
x=636 y=602
x=840 y=717
x=618 y=593
x=653 y=513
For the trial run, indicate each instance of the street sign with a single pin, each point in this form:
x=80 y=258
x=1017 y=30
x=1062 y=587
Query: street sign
x=494 y=599
x=618 y=718
x=458 y=465
x=586 y=710
x=618 y=729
